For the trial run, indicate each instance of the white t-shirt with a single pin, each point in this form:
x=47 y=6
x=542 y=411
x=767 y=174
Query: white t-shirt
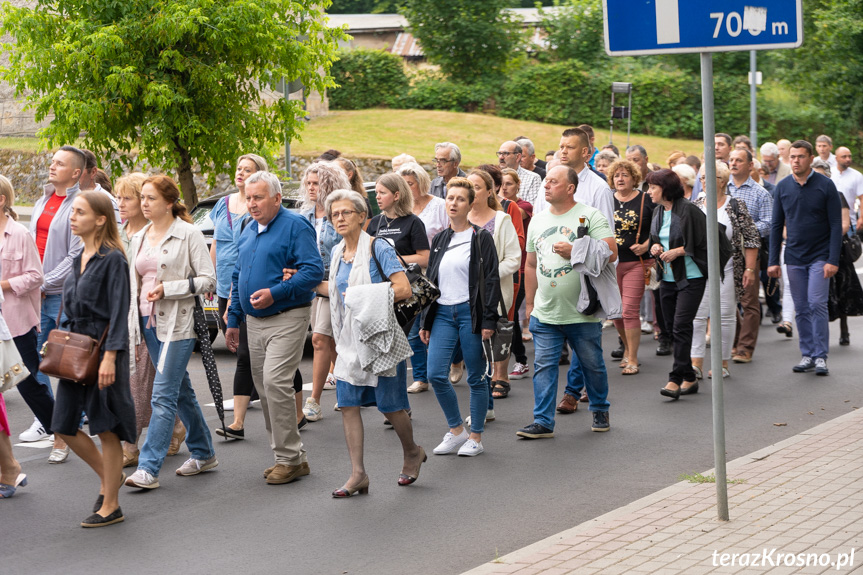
x=454 y=269
x=850 y=184
x=722 y=217
x=434 y=217
x=593 y=191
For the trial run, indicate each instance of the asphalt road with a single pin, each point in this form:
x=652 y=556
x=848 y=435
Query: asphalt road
x=462 y=511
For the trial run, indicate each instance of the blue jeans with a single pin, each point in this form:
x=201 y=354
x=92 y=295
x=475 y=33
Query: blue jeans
x=809 y=289
x=420 y=356
x=50 y=309
x=586 y=342
x=173 y=393
x=451 y=325
x=574 y=377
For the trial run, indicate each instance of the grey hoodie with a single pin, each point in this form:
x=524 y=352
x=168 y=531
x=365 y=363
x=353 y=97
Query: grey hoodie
x=62 y=246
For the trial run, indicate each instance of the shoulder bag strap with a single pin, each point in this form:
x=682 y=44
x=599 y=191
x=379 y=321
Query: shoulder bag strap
x=638 y=232
x=375 y=258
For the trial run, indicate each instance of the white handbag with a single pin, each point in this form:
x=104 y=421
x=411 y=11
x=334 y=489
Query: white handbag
x=11 y=366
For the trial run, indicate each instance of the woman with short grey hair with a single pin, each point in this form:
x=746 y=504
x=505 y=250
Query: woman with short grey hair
x=357 y=262
x=319 y=180
x=687 y=176
x=603 y=161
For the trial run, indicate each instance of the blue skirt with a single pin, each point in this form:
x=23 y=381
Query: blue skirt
x=390 y=395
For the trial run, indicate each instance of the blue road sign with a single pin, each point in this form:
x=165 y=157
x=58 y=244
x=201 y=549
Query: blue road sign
x=639 y=27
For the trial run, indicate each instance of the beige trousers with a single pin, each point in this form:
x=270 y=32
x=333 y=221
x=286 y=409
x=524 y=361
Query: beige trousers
x=276 y=348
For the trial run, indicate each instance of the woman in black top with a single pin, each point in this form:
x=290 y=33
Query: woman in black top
x=397 y=223
x=633 y=211
x=95 y=296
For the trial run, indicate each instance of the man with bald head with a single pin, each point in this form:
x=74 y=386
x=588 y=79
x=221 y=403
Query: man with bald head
x=509 y=155
x=784 y=151
x=849 y=182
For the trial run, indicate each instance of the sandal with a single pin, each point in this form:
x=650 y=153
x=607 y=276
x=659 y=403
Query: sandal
x=630 y=370
x=500 y=389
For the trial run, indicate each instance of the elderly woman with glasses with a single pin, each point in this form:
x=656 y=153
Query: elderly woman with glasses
x=358 y=260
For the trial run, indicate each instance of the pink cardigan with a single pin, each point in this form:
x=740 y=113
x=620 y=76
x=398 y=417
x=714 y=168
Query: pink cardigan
x=22 y=268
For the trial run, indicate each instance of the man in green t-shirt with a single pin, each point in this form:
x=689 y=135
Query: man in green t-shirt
x=552 y=289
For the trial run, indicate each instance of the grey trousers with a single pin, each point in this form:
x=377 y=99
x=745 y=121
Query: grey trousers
x=276 y=348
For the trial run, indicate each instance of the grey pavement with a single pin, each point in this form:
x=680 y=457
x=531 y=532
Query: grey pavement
x=461 y=513
x=794 y=507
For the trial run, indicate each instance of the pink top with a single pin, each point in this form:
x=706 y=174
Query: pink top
x=146 y=264
x=22 y=268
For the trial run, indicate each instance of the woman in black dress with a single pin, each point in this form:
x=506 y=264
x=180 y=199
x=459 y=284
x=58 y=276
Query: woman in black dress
x=95 y=296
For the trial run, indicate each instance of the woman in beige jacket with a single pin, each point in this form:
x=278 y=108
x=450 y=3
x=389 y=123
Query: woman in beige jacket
x=165 y=254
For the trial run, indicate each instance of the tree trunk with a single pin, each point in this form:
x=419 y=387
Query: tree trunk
x=185 y=177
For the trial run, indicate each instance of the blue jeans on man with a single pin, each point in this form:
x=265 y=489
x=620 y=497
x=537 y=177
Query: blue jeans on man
x=50 y=309
x=585 y=339
x=809 y=290
x=419 y=360
x=172 y=394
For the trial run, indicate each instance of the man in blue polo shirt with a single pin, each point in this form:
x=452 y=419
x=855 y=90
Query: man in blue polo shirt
x=808 y=205
x=277 y=313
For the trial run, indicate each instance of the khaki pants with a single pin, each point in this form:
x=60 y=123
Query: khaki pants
x=276 y=348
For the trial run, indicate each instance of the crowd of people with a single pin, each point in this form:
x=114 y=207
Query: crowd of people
x=587 y=238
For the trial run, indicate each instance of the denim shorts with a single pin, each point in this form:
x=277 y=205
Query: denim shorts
x=391 y=393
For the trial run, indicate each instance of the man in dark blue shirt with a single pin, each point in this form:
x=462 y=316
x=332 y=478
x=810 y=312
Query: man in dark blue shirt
x=277 y=313
x=808 y=205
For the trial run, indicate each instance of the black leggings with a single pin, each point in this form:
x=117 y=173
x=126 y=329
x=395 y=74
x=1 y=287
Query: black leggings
x=243 y=382
x=36 y=395
x=518 y=349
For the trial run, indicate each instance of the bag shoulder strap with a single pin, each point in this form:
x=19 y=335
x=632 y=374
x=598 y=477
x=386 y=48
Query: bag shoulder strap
x=375 y=258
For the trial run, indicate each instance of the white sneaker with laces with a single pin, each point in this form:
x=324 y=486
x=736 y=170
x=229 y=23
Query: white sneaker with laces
x=451 y=443
x=312 y=410
x=142 y=480
x=330 y=383
x=646 y=327
x=471 y=448
x=194 y=466
x=33 y=433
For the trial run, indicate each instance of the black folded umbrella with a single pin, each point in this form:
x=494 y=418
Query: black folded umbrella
x=206 y=349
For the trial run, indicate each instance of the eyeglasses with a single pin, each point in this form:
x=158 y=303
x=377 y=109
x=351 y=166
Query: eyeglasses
x=503 y=154
x=344 y=214
x=437 y=161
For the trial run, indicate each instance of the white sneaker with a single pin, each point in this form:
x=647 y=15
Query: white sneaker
x=418 y=387
x=646 y=327
x=312 y=410
x=330 y=383
x=33 y=433
x=228 y=405
x=336 y=407
x=194 y=466
x=451 y=443
x=471 y=448
x=489 y=416
x=142 y=480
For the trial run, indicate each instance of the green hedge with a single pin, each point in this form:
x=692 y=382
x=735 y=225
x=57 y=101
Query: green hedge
x=368 y=79
x=433 y=91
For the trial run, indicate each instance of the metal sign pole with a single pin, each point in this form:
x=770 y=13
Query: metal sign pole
x=753 y=90
x=713 y=285
x=287 y=137
x=629 y=117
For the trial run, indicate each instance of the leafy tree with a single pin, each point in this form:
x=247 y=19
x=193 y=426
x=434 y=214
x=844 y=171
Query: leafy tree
x=575 y=31
x=179 y=81
x=468 y=40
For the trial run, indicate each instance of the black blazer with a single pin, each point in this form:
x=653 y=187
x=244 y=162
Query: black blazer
x=483 y=270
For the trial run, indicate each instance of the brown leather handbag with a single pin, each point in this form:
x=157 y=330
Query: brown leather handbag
x=72 y=356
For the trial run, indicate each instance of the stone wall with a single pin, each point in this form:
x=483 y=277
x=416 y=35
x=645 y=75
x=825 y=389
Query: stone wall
x=28 y=172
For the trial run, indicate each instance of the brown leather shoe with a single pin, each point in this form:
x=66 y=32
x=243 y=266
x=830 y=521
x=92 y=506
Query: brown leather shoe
x=177 y=438
x=268 y=470
x=286 y=473
x=568 y=404
x=742 y=357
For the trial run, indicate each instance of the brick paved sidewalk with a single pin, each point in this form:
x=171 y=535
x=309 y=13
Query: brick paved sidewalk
x=802 y=495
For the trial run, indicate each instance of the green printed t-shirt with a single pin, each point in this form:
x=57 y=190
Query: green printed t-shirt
x=558 y=286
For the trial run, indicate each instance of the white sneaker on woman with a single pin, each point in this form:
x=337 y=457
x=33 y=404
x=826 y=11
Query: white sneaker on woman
x=312 y=410
x=34 y=433
x=330 y=383
x=471 y=448
x=451 y=443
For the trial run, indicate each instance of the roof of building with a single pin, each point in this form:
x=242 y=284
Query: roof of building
x=397 y=22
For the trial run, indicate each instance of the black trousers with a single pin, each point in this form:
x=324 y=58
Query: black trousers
x=517 y=348
x=36 y=396
x=664 y=330
x=679 y=307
